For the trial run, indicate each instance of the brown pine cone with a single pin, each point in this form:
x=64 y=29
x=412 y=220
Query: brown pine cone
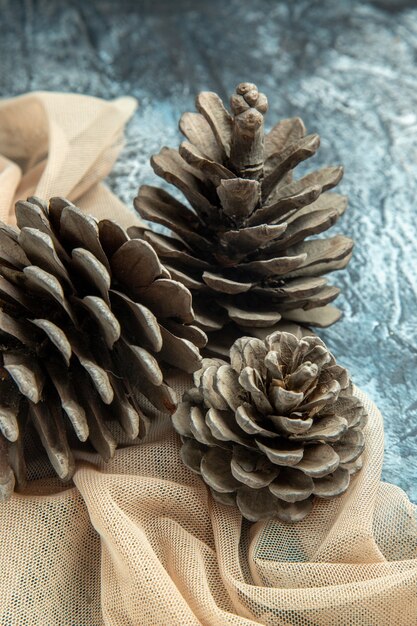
x=274 y=428
x=87 y=317
x=240 y=246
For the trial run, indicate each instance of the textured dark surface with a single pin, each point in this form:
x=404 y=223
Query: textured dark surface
x=348 y=68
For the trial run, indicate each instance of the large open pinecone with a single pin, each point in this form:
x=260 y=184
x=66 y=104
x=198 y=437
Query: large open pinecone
x=241 y=248
x=274 y=428
x=86 y=317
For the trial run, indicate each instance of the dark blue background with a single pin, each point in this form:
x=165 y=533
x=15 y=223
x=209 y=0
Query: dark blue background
x=348 y=68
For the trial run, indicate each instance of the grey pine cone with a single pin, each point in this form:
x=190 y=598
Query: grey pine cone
x=87 y=316
x=273 y=428
x=240 y=244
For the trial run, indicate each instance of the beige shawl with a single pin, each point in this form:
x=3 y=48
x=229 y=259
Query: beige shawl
x=139 y=541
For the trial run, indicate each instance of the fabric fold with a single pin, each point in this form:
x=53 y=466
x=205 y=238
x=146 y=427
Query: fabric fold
x=55 y=144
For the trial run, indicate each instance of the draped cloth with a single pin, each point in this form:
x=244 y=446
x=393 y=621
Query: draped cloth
x=139 y=541
x=55 y=144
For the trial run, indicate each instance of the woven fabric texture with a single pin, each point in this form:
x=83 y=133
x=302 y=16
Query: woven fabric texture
x=54 y=144
x=139 y=541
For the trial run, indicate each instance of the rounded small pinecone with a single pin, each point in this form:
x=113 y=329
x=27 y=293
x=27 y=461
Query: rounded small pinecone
x=240 y=246
x=274 y=428
x=87 y=315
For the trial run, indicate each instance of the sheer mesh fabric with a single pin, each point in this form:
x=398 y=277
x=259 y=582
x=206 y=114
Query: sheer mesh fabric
x=139 y=541
x=54 y=144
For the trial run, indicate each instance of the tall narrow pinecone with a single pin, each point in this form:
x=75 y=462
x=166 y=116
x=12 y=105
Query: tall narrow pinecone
x=87 y=315
x=241 y=248
x=274 y=428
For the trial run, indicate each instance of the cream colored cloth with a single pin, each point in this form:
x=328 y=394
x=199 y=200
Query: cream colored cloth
x=54 y=144
x=139 y=541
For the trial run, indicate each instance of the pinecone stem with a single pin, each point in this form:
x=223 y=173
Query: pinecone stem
x=247 y=145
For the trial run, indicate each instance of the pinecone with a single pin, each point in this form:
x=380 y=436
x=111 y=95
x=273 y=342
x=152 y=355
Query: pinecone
x=86 y=316
x=241 y=248
x=274 y=428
